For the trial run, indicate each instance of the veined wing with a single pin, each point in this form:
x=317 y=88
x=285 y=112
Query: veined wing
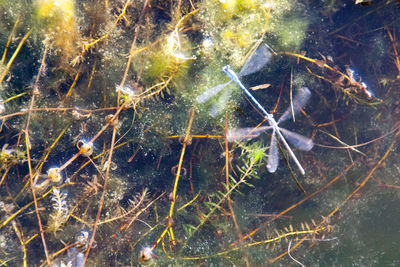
x=241 y=134
x=299 y=101
x=220 y=104
x=256 y=61
x=273 y=156
x=206 y=95
x=297 y=140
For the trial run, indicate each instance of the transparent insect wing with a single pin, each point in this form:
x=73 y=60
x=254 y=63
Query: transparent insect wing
x=241 y=134
x=208 y=94
x=273 y=156
x=297 y=140
x=75 y=257
x=256 y=61
x=220 y=104
x=300 y=100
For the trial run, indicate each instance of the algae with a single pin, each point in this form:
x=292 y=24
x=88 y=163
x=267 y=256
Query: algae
x=107 y=158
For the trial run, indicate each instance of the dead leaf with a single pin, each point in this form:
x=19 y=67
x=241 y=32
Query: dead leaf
x=261 y=86
x=320 y=63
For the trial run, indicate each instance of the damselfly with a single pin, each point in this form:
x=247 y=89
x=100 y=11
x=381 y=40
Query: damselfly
x=297 y=140
x=254 y=63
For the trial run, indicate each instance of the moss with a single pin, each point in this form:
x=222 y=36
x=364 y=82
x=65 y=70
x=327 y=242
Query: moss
x=56 y=20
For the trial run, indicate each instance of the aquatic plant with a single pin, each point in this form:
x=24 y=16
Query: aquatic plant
x=60 y=214
x=107 y=158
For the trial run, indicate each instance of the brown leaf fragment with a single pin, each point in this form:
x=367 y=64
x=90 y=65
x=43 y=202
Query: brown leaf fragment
x=261 y=86
x=323 y=57
x=320 y=63
x=339 y=81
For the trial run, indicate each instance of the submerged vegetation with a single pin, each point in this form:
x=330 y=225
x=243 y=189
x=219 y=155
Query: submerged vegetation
x=107 y=158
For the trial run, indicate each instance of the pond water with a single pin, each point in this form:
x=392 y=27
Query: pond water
x=114 y=155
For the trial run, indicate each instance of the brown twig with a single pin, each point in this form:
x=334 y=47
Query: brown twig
x=27 y=142
x=237 y=227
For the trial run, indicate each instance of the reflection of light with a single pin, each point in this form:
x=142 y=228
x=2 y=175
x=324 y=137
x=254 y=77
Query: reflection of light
x=2 y=107
x=85 y=147
x=146 y=255
x=172 y=42
x=180 y=55
x=366 y=91
x=268 y=5
x=125 y=90
x=173 y=46
x=207 y=43
x=54 y=174
x=351 y=72
x=273 y=5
